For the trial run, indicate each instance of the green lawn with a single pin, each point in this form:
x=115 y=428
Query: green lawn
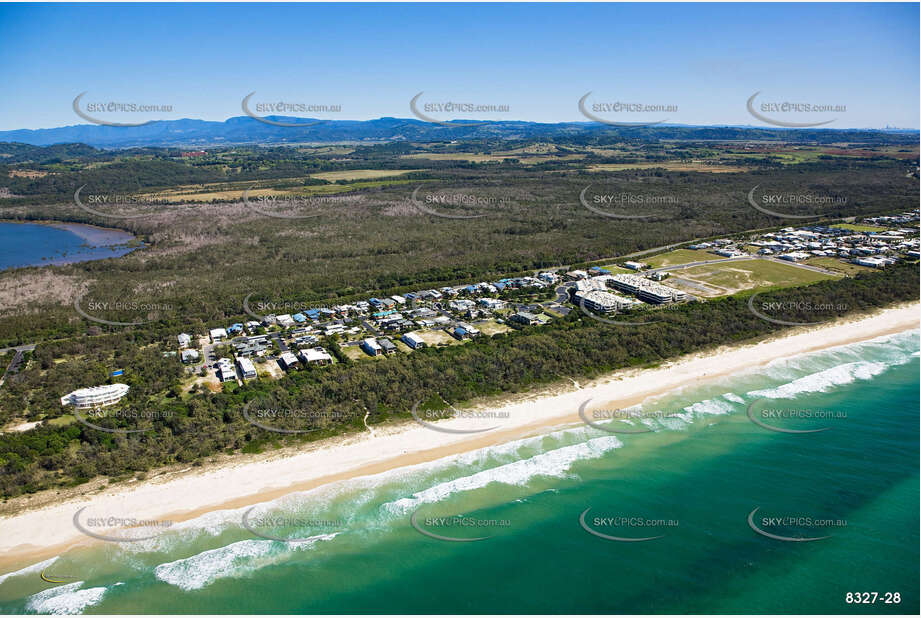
x=742 y=275
x=837 y=265
x=856 y=227
x=615 y=269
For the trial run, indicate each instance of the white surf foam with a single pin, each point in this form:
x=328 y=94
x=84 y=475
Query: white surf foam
x=66 y=599
x=710 y=407
x=823 y=381
x=232 y=560
x=555 y=463
x=32 y=568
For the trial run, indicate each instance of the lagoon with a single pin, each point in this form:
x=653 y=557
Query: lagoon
x=42 y=244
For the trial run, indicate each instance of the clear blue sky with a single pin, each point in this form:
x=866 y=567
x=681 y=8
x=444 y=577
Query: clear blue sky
x=538 y=59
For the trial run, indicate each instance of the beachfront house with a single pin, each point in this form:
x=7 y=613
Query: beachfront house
x=371 y=347
x=387 y=346
x=413 y=340
x=287 y=361
x=315 y=356
x=465 y=331
x=247 y=369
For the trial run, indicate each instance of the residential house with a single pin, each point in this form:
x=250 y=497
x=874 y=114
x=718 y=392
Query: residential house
x=524 y=317
x=224 y=370
x=247 y=369
x=387 y=346
x=463 y=330
x=316 y=356
x=287 y=361
x=371 y=347
x=189 y=356
x=413 y=340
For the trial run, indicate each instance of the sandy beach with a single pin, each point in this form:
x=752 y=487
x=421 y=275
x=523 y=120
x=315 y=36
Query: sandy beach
x=40 y=533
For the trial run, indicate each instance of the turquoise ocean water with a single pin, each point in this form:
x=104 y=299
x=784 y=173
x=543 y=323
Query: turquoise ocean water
x=692 y=482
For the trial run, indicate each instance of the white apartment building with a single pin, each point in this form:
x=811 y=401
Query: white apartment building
x=603 y=302
x=95 y=396
x=647 y=290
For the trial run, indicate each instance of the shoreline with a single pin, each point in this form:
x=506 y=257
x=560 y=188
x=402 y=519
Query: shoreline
x=94 y=239
x=192 y=492
x=79 y=231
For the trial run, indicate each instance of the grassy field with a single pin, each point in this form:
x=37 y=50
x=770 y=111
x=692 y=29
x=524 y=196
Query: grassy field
x=471 y=157
x=856 y=227
x=360 y=174
x=355 y=353
x=679 y=256
x=837 y=265
x=532 y=149
x=672 y=166
x=179 y=197
x=209 y=193
x=615 y=269
x=732 y=277
x=27 y=174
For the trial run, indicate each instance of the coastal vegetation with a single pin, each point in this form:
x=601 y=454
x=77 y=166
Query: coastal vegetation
x=189 y=427
x=363 y=234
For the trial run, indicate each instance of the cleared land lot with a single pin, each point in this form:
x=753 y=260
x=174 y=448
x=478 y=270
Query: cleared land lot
x=615 y=269
x=437 y=337
x=269 y=369
x=355 y=353
x=679 y=256
x=836 y=265
x=672 y=166
x=360 y=174
x=491 y=327
x=732 y=277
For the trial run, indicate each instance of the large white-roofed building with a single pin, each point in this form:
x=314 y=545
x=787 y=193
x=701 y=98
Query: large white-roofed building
x=95 y=396
x=647 y=290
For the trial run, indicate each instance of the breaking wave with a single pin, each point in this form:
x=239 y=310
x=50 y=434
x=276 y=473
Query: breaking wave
x=555 y=463
x=66 y=599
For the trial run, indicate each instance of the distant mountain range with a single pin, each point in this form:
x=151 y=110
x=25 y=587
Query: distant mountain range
x=244 y=130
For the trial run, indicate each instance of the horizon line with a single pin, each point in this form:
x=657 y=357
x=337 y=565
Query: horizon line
x=468 y=120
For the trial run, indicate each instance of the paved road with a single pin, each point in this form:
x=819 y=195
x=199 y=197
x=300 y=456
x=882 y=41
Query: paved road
x=281 y=342
x=13 y=366
x=370 y=328
x=691 y=264
x=20 y=348
x=704 y=289
x=817 y=269
x=562 y=292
